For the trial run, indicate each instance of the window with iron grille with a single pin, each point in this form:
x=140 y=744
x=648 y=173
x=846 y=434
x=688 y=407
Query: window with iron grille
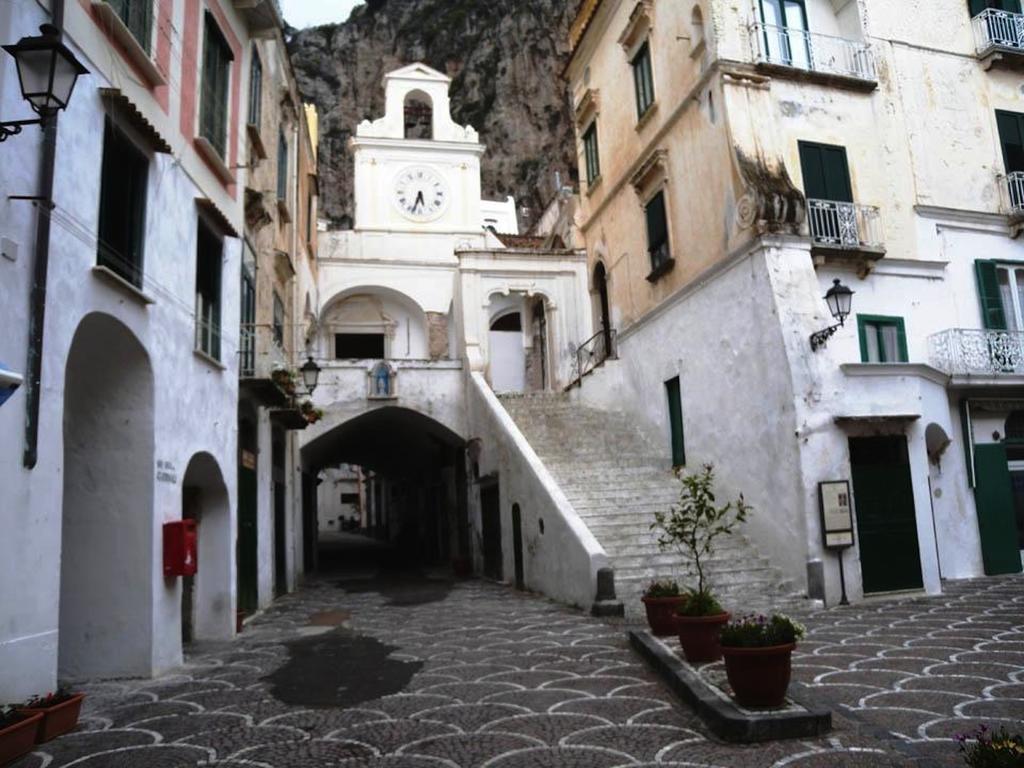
x=278 y=321
x=591 y=153
x=657 y=231
x=123 y=190
x=213 y=109
x=137 y=15
x=282 y=167
x=255 y=89
x=643 y=79
x=209 y=252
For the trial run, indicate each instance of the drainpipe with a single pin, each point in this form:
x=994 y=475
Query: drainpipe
x=41 y=264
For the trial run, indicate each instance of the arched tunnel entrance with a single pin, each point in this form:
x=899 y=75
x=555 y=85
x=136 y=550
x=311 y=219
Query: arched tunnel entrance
x=390 y=490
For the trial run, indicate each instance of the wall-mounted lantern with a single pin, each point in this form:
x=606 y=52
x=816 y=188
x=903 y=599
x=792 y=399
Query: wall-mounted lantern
x=47 y=72
x=840 y=300
x=310 y=375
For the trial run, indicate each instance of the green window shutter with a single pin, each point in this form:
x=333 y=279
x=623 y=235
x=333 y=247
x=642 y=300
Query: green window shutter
x=657 y=230
x=862 y=335
x=997 y=525
x=977 y=6
x=1011 y=137
x=992 y=314
x=826 y=172
x=675 y=417
x=591 y=153
x=901 y=330
x=643 y=80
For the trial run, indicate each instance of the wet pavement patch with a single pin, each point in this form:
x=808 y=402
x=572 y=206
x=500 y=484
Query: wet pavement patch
x=339 y=669
x=401 y=588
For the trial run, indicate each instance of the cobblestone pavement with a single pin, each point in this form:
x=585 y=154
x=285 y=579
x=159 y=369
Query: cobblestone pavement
x=429 y=674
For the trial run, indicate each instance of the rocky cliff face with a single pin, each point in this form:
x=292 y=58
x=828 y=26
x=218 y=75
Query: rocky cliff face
x=505 y=58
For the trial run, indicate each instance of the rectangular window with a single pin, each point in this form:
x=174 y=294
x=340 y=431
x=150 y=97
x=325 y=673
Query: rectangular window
x=137 y=15
x=359 y=346
x=657 y=232
x=208 y=274
x=675 y=420
x=256 y=90
x=785 y=33
x=278 y=326
x=1001 y=294
x=826 y=172
x=309 y=218
x=282 y=167
x=643 y=80
x=213 y=108
x=123 y=190
x=882 y=339
x=591 y=153
x=247 y=337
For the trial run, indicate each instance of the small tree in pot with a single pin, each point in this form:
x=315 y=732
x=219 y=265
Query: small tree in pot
x=691 y=528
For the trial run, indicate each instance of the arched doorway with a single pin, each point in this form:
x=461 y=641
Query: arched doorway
x=601 y=286
x=107 y=557
x=206 y=611
x=507 y=355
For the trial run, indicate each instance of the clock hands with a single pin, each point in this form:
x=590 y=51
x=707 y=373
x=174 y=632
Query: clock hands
x=420 y=202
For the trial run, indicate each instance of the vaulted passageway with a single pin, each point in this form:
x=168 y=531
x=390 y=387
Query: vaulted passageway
x=393 y=481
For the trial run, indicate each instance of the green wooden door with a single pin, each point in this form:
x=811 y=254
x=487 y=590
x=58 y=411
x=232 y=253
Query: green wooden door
x=883 y=493
x=826 y=172
x=675 y=420
x=997 y=525
x=248 y=589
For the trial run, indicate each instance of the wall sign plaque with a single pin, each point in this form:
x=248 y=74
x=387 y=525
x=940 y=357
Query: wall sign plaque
x=836 y=514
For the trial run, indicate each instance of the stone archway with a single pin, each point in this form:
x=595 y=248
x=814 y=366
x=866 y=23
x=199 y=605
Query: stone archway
x=207 y=605
x=107 y=562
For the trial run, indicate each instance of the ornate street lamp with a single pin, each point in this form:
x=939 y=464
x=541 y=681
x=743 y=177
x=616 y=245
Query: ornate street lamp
x=310 y=375
x=47 y=71
x=840 y=300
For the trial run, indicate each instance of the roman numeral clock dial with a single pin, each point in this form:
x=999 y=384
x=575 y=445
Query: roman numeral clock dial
x=421 y=194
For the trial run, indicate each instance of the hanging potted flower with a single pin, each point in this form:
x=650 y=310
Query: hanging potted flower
x=17 y=733
x=758 y=658
x=284 y=378
x=60 y=712
x=661 y=599
x=691 y=528
x=310 y=412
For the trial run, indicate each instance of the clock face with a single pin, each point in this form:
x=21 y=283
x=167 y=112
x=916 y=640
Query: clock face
x=421 y=194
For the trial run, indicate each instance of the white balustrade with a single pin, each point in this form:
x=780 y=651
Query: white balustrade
x=813 y=52
x=844 y=225
x=1015 y=192
x=996 y=29
x=966 y=352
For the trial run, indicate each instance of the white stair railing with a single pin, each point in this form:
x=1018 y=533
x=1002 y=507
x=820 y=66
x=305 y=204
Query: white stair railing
x=811 y=51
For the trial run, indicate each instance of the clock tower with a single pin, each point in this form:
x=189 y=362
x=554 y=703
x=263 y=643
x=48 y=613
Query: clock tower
x=416 y=170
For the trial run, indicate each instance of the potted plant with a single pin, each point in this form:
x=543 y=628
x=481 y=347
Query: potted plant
x=284 y=378
x=60 y=712
x=986 y=748
x=17 y=733
x=758 y=658
x=691 y=528
x=311 y=413
x=661 y=599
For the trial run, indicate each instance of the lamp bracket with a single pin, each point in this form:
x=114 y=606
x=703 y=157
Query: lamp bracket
x=820 y=338
x=14 y=127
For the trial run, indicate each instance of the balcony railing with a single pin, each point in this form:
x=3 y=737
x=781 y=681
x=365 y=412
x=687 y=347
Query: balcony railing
x=1015 y=193
x=844 y=225
x=967 y=352
x=999 y=30
x=259 y=351
x=812 y=52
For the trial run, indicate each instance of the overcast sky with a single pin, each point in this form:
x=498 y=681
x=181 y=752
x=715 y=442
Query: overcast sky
x=308 y=13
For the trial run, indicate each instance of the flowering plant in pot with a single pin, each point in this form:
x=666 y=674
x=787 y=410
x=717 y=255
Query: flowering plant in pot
x=691 y=527
x=311 y=413
x=661 y=599
x=284 y=378
x=758 y=658
x=986 y=748
x=60 y=712
x=18 y=731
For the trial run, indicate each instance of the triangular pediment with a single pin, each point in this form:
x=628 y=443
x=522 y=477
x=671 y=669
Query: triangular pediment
x=418 y=71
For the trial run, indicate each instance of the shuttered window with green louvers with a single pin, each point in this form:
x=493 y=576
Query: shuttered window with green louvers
x=213 y=110
x=993 y=315
x=137 y=15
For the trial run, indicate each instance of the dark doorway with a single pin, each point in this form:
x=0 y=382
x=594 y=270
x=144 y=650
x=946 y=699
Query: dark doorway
x=517 y=545
x=675 y=420
x=190 y=506
x=883 y=493
x=248 y=537
x=490 y=511
x=826 y=172
x=280 y=515
x=601 y=285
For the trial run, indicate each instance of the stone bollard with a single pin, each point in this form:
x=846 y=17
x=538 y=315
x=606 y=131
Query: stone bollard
x=606 y=604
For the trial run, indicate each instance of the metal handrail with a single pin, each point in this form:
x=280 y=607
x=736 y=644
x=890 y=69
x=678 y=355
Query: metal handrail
x=592 y=353
x=1015 y=192
x=812 y=51
x=994 y=28
x=844 y=225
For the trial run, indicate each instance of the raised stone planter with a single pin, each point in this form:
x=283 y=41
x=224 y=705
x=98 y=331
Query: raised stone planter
x=704 y=690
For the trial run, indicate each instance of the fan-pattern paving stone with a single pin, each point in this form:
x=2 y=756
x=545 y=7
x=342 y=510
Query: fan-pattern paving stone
x=485 y=677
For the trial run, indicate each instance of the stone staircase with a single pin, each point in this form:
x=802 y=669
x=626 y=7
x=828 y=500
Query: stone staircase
x=615 y=481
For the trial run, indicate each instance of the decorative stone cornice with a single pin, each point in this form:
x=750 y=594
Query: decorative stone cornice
x=639 y=24
x=654 y=165
x=588 y=106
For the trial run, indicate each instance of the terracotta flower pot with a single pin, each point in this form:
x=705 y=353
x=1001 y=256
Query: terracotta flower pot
x=699 y=636
x=759 y=676
x=18 y=739
x=661 y=613
x=58 y=719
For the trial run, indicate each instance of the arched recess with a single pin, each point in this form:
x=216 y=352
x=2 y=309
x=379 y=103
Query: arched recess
x=206 y=597
x=374 y=322
x=107 y=561
x=506 y=352
x=419 y=116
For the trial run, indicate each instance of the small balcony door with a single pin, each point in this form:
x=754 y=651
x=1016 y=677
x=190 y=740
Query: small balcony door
x=826 y=172
x=979 y=6
x=785 y=33
x=1011 y=137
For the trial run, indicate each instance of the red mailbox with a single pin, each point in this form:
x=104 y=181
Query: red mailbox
x=181 y=551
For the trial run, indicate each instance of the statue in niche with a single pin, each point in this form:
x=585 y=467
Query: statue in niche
x=382 y=381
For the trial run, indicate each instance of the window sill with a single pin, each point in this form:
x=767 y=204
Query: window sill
x=213 y=159
x=134 y=52
x=647 y=116
x=592 y=186
x=259 y=149
x=209 y=360
x=109 y=276
x=661 y=270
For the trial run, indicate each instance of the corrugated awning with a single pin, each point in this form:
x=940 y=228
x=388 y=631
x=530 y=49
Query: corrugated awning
x=216 y=216
x=123 y=108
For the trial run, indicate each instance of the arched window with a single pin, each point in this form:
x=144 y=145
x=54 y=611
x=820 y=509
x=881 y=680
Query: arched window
x=419 y=116
x=697 y=26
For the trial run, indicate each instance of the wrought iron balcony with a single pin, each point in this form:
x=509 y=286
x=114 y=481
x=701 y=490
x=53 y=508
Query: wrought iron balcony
x=841 y=225
x=260 y=351
x=1015 y=193
x=972 y=352
x=996 y=30
x=812 y=52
